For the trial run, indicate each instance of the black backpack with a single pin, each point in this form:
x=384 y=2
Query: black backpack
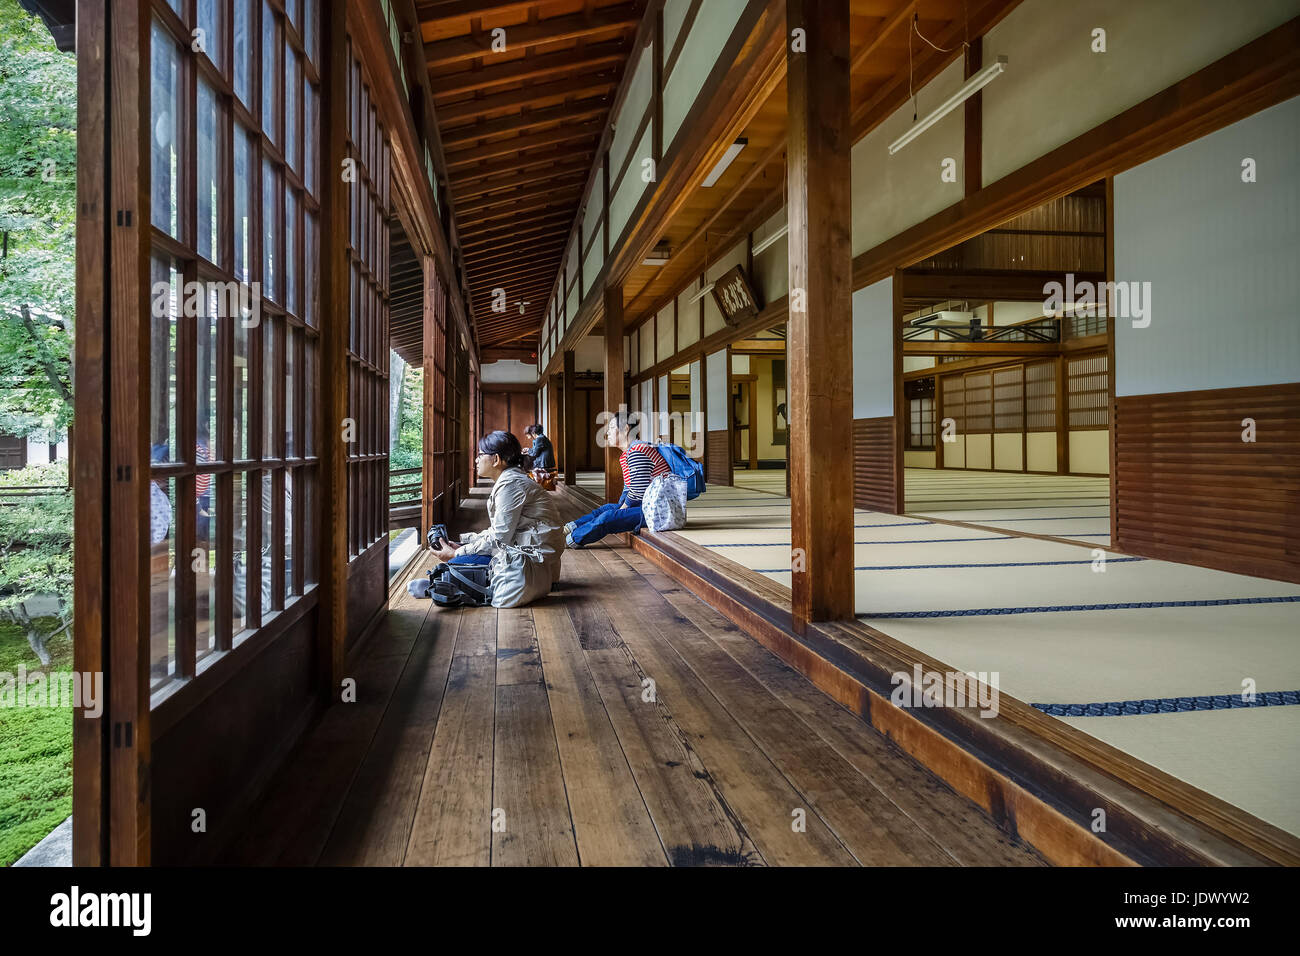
x=460 y=585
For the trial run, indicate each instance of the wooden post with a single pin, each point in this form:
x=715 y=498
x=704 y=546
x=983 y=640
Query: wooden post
x=569 y=429
x=820 y=330
x=334 y=311
x=428 y=417
x=554 y=428
x=973 y=161
x=614 y=400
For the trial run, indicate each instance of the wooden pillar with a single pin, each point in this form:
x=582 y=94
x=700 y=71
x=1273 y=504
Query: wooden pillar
x=614 y=399
x=570 y=425
x=554 y=428
x=820 y=330
x=428 y=420
x=335 y=306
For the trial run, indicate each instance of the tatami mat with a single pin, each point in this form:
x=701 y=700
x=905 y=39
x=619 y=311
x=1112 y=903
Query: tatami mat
x=1056 y=631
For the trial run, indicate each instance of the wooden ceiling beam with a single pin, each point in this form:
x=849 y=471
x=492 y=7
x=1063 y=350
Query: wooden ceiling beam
x=497 y=236
x=505 y=147
x=459 y=194
x=523 y=271
x=530 y=119
x=437 y=10
x=516 y=164
x=605 y=55
x=555 y=30
x=560 y=200
x=548 y=188
x=588 y=84
x=550 y=248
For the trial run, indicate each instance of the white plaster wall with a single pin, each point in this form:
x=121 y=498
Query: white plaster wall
x=873 y=350
x=717 y=400
x=1055 y=88
x=1222 y=257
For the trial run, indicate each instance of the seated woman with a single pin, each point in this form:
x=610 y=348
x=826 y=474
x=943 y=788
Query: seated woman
x=641 y=463
x=524 y=541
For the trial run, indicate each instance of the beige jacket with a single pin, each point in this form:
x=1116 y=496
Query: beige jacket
x=525 y=538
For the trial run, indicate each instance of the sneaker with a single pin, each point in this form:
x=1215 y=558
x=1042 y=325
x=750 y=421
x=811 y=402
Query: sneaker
x=569 y=526
x=568 y=540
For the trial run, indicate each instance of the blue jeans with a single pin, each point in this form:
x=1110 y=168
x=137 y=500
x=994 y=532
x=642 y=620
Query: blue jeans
x=607 y=519
x=471 y=559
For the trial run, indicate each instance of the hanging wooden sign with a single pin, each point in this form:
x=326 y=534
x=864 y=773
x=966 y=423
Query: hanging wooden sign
x=735 y=297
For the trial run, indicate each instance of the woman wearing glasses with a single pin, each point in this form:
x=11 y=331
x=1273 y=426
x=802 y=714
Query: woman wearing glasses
x=524 y=539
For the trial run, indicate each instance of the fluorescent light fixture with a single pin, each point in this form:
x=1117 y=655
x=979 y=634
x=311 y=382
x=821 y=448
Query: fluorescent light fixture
x=700 y=295
x=727 y=158
x=764 y=244
x=968 y=89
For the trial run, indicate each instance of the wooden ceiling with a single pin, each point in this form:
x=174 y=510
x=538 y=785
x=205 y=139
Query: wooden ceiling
x=712 y=220
x=519 y=130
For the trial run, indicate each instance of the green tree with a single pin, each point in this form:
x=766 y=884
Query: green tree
x=38 y=194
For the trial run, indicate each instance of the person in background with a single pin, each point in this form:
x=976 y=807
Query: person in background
x=523 y=542
x=641 y=464
x=541 y=452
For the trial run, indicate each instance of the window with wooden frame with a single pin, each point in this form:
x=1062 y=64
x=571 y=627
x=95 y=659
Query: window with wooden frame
x=1088 y=387
x=233 y=327
x=954 y=401
x=979 y=403
x=1040 y=396
x=1009 y=399
x=368 y=251
x=919 y=394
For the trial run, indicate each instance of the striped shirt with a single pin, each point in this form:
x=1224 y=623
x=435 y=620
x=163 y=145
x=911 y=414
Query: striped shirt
x=642 y=463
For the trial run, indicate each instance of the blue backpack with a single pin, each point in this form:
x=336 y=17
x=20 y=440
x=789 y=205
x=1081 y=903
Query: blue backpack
x=684 y=466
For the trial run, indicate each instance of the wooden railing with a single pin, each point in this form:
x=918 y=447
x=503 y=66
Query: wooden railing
x=404 y=497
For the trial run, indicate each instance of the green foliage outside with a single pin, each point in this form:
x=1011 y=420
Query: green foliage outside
x=409 y=450
x=38 y=145
x=38 y=195
x=35 y=608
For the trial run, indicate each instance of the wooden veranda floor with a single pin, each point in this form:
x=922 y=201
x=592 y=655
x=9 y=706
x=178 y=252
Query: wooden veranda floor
x=621 y=721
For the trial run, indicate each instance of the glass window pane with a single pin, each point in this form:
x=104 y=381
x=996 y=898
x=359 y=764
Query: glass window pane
x=164 y=117
x=243 y=52
x=310 y=132
x=309 y=389
x=208 y=20
x=309 y=268
x=291 y=253
x=267 y=543
x=292 y=86
x=245 y=169
x=239 y=561
x=165 y=291
x=309 y=17
x=210 y=151
x=307 y=483
x=205 y=584
x=207 y=438
x=272 y=345
x=290 y=369
x=270 y=72
x=270 y=230
x=288 y=532
x=242 y=387
x=162 y=581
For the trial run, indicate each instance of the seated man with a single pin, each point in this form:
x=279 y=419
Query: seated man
x=641 y=463
x=541 y=453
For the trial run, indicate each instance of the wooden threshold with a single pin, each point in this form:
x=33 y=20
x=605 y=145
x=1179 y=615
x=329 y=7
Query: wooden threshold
x=1039 y=777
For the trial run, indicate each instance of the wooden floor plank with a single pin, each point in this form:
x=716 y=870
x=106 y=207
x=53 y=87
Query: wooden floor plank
x=517 y=658
x=777 y=817
x=866 y=821
x=964 y=830
x=610 y=819
x=374 y=826
x=531 y=821
x=452 y=824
